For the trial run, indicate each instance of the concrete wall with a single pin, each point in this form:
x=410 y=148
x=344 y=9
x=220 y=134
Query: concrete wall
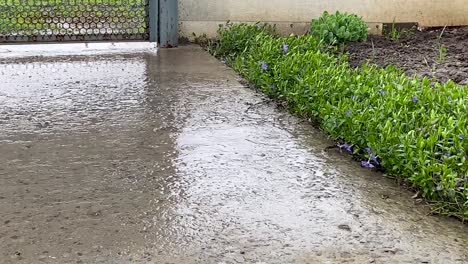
x=293 y=16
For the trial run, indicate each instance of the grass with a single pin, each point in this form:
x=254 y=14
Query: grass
x=34 y=17
x=395 y=34
x=441 y=48
x=414 y=129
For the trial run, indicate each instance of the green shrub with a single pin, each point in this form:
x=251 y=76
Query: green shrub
x=411 y=128
x=237 y=38
x=339 y=28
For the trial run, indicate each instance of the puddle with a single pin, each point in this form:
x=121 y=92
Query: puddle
x=70 y=49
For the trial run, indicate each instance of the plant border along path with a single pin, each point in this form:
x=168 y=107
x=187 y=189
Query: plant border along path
x=411 y=128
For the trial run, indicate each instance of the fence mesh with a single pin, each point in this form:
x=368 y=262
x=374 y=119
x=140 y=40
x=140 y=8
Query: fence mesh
x=68 y=20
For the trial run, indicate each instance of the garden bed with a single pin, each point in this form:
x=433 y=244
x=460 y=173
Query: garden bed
x=414 y=129
x=418 y=53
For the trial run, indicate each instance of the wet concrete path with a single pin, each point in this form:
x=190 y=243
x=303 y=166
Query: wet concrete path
x=168 y=159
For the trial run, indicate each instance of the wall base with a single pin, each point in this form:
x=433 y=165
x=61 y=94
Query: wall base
x=192 y=29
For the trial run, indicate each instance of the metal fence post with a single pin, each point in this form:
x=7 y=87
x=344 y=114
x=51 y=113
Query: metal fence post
x=168 y=23
x=153 y=13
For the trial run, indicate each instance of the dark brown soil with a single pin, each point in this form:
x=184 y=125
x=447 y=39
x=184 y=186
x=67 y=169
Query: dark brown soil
x=418 y=53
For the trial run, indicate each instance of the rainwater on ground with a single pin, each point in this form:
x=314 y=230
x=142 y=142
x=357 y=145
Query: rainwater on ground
x=167 y=158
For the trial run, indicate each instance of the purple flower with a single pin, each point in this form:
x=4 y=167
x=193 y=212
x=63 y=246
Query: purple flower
x=347 y=147
x=448 y=155
x=285 y=48
x=264 y=66
x=415 y=99
x=367 y=164
x=449 y=98
x=372 y=156
x=349 y=112
x=381 y=92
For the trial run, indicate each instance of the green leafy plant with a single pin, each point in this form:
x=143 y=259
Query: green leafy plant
x=339 y=28
x=237 y=38
x=411 y=128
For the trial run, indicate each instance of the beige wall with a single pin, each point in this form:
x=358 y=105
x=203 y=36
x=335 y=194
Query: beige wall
x=293 y=16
